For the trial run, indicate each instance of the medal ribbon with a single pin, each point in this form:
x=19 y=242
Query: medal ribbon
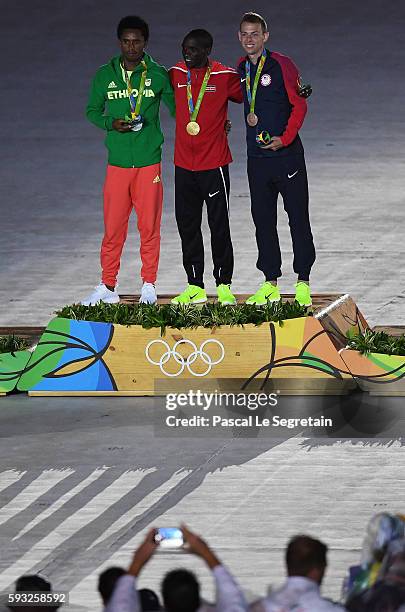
x=135 y=108
x=251 y=95
x=194 y=109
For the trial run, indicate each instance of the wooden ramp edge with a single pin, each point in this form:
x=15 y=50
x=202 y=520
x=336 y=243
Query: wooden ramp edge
x=341 y=317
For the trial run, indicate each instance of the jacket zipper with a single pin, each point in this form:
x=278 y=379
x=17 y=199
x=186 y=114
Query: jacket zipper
x=125 y=87
x=192 y=141
x=132 y=145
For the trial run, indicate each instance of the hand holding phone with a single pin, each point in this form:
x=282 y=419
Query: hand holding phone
x=199 y=547
x=143 y=553
x=169 y=538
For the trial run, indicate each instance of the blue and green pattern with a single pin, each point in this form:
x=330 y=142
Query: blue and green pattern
x=11 y=367
x=69 y=357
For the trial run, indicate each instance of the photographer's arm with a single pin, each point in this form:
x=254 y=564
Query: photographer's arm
x=229 y=596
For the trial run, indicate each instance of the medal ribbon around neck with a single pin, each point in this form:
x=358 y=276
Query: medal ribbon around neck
x=251 y=94
x=194 y=109
x=135 y=108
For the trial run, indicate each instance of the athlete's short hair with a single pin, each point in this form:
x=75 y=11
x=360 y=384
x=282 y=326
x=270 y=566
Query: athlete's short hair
x=252 y=17
x=202 y=36
x=133 y=22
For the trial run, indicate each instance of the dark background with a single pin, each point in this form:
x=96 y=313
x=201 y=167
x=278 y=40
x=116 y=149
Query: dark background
x=53 y=160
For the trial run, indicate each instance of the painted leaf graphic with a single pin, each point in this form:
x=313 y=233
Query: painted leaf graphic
x=11 y=368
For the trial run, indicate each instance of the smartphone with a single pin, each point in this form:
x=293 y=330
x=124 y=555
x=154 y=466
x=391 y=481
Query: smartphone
x=169 y=538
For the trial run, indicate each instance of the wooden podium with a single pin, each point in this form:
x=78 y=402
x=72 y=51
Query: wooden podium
x=305 y=356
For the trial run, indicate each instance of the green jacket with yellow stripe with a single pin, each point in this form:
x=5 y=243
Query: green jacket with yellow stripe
x=109 y=100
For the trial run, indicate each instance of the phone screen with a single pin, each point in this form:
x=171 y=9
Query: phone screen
x=169 y=537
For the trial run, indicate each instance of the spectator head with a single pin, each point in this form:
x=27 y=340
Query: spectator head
x=180 y=591
x=149 y=600
x=306 y=557
x=382 y=529
x=32 y=582
x=35 y=584
x=107 y=581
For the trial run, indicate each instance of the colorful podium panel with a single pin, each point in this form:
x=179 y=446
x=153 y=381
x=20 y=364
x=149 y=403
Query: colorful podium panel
x=70 y=357
x=377 y=373
x=80 y=357
x=12 y=366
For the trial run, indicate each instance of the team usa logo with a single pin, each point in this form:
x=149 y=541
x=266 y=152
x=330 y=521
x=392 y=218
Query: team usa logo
x=265 y=80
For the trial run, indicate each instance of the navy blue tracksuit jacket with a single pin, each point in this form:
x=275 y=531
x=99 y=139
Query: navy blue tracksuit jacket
x=281 y=112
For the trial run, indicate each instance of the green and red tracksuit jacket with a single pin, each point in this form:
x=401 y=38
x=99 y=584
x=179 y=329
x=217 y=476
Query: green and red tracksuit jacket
x=209 y=149
x=109 y=100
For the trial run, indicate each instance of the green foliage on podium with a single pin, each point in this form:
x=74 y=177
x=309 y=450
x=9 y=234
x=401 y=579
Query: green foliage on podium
x=181 y=317
x=11 y=344
x=377 y=342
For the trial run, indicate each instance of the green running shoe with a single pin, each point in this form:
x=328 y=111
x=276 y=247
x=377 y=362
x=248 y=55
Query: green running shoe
x=303 y=294
x=266 y=293
x=191 y=295
x=225 y=295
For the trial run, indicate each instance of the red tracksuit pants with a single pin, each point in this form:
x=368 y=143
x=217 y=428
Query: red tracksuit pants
x=124 y=189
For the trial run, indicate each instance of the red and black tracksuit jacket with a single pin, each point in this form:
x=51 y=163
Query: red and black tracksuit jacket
x=281 y=112
x=201 y=173
x=209 y=149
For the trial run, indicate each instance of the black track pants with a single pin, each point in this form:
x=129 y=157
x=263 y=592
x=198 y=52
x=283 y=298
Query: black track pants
x=191 y=190
x=269 y=177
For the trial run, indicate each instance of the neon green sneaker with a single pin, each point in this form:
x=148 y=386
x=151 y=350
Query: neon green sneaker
x=191 y=295
x=303 y=294
x=225 y=295
x=266 y=293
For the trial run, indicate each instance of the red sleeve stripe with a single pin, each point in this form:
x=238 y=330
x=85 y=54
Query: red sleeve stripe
x=299 y=104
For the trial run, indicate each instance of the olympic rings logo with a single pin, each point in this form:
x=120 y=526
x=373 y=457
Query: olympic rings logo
x=185 y=362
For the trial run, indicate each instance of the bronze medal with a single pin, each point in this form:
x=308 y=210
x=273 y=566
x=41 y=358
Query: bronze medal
x=193 y=128
x=252 y=119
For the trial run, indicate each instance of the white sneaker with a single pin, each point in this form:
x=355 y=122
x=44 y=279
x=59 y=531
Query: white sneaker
x=148 y=294
x=101 y=294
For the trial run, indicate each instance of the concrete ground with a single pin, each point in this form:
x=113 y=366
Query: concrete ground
x=53 y=159
x=80 y=480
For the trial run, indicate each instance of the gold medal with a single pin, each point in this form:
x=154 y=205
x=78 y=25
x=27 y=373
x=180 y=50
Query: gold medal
x=252 y=119
x=193 y=128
